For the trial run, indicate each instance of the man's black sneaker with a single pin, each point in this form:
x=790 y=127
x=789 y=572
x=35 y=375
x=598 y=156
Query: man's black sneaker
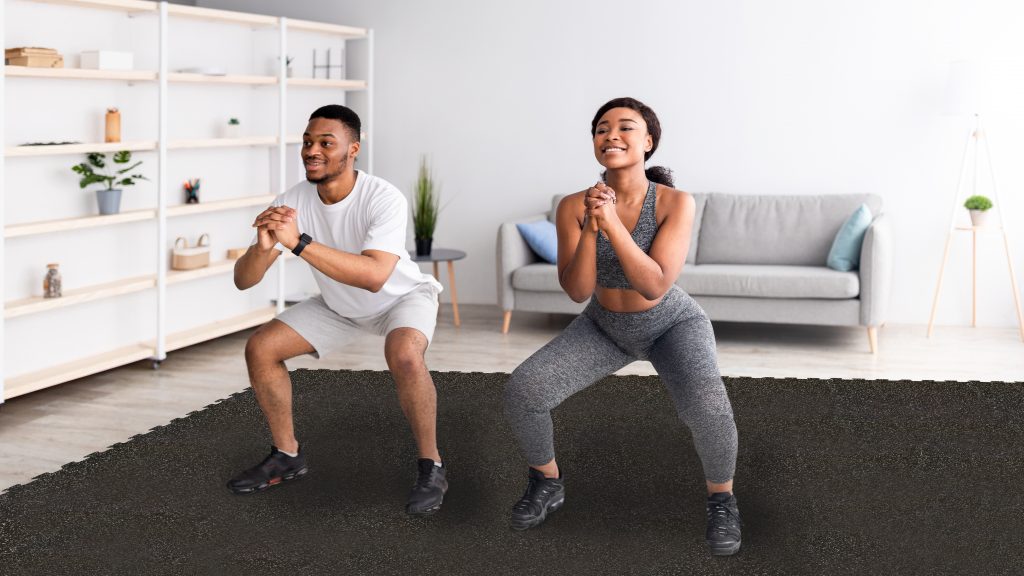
x=723 y=535
x=542 y=496
x=275 y=469
x=428 y=491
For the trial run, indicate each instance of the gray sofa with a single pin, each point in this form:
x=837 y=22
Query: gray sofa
x=751 y=259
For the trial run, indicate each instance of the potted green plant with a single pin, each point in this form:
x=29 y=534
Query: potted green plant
x=979 y=207
x=426 y=205
x=109 y=198
x=233 y=128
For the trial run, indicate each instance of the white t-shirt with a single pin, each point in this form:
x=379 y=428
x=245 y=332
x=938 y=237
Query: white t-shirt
x=373 y=217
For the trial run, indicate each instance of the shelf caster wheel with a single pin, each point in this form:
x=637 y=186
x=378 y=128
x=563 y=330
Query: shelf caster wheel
x=156 y=364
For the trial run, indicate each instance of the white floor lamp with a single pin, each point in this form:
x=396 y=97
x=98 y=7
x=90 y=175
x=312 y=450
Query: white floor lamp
x=964 y=97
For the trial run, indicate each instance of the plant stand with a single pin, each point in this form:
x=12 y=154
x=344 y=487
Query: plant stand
x=974 y=140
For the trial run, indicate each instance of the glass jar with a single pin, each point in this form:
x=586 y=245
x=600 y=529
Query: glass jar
x=52 y=282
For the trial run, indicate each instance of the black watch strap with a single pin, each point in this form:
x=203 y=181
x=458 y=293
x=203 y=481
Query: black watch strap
x=304 y=241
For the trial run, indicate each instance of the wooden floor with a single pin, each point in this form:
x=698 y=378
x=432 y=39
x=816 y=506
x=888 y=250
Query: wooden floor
x=42 y=431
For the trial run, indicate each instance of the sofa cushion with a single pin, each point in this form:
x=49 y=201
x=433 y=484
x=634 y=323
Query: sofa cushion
x=791 y=230
x=541 y=237
x=537 y=277
x=768 y=281
x=845 y=252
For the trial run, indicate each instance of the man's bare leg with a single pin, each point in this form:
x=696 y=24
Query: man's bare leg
x=404 y=349
x=265 y=353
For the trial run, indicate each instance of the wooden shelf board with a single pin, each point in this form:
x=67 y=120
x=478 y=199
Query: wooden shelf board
x=219 y=328
x=337 y=29
x=220 y=205
x=216 y=15
x=15 y=230
x=222 y=267
x=36 y=304
x=79 y=73
x=227 y=79
x=59 y=149
x=222 y=142
x=119 y=5
x=324 y=83
x=80 y=368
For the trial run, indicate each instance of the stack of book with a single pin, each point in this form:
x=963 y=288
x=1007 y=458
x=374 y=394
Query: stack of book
x=33 y=57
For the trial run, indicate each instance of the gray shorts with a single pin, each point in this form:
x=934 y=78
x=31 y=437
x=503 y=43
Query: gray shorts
x=327 y=331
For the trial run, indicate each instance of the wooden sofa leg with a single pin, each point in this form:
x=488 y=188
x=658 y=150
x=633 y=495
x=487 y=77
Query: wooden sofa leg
x=507 y=320
x=873 y=339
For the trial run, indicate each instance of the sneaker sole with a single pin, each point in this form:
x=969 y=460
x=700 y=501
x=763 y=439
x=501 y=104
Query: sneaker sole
x=724 y=549
x=297 y=475
x=427 y=512
x=527 y=524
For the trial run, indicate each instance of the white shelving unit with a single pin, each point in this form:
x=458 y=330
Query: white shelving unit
x=163 y=341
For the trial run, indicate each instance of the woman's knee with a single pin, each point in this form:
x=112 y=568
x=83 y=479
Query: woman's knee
x=703 y=402
x=524 y=393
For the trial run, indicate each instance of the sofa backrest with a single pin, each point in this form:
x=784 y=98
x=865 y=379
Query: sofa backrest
x=769 y=229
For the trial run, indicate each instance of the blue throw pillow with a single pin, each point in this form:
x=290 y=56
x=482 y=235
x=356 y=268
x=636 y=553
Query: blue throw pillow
x=845 y=253
x=542 y=238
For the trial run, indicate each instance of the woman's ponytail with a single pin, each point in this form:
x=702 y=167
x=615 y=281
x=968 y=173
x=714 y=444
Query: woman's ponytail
x=661 y=175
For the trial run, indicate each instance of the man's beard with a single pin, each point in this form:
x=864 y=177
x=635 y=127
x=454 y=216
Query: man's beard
x=342 y=165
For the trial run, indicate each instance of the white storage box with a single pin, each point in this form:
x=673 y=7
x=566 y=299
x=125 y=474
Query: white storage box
x=107 y=60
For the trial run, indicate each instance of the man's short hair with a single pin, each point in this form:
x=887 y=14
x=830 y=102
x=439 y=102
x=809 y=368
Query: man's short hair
x=342 y=114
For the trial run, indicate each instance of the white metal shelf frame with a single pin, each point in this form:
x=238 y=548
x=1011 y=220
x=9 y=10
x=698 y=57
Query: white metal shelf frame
x=158 y=348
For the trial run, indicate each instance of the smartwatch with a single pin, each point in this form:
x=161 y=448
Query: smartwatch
x=304 y=241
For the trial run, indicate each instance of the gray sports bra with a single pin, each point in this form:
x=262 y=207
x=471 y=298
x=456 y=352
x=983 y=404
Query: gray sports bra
x=609 y=269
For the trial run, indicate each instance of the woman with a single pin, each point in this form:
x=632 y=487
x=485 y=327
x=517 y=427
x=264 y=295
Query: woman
x=636 y=313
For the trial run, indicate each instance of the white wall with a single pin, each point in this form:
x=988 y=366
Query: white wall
x=782 y=97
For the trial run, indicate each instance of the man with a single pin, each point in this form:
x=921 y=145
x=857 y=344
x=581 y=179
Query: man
x=351 y=229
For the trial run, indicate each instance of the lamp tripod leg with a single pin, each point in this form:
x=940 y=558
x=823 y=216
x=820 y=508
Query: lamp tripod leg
x=938 y=286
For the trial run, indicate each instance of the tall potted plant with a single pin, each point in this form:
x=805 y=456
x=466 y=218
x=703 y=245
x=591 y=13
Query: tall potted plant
x=426 y=205
x=109 y=198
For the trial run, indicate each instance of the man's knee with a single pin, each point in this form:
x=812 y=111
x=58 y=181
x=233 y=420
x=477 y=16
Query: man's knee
x=260 y=349
x=404 y=350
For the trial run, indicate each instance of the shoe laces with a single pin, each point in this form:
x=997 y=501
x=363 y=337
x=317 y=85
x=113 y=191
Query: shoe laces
x=722 y=517
x=536 y=491
x=423 y=477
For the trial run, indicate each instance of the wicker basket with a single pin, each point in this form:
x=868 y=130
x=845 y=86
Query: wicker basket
x=184 y=257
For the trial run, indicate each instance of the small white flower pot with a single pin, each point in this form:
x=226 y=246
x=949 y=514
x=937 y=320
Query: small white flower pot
x=232 y=131
x=979 y=217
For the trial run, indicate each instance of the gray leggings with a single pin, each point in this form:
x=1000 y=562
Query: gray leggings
x=675 y=335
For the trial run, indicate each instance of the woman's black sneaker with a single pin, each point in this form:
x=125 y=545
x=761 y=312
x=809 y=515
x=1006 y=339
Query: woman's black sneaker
x=723 y=535
x=275 y=469
x=542 y=496
x=428 y=491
